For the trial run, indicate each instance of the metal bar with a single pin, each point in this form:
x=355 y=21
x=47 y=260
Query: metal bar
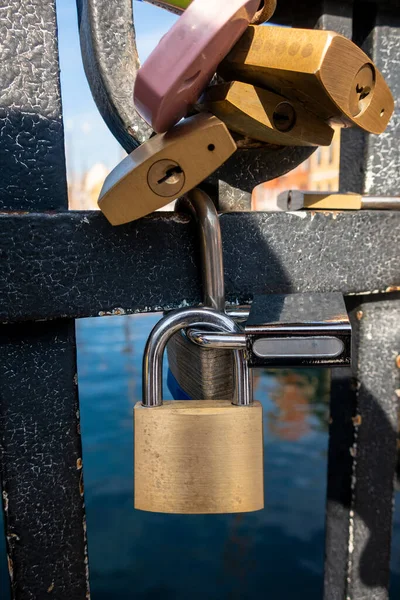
x=362 y=455
x=40 y=446
x=111 y=62
x=200 y=206
x=32 y=134
x=323 y=14
x=311 y=200
x=230 y=341
x=380 y=203
x=75 y=264
x=375 y=446
x=362 y=447
x=226 y=341
x=41 y=460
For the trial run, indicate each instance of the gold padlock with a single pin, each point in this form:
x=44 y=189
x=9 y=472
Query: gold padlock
x=196 y=457
x=265 y=116
x=327 y=73
x=165 y=167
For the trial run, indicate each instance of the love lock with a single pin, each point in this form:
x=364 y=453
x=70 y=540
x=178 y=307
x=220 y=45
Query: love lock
x=325 y=72
x=198 y=456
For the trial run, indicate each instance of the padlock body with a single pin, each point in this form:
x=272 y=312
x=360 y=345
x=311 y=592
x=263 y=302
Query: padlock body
x=199 y=457
x=201 y=372
x=324 y=71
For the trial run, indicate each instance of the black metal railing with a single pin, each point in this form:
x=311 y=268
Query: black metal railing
x=58 y=265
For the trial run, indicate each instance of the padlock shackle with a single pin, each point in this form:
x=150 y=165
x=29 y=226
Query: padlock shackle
x=162 y=333
x=199 y=205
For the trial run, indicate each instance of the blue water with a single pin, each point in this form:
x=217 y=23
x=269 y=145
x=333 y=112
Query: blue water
x=150 y=556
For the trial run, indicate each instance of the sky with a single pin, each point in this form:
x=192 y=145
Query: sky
x=87 y=139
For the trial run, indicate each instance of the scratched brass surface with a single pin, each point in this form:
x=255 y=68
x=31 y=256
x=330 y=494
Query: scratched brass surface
x=199 y=457
x=323 y=70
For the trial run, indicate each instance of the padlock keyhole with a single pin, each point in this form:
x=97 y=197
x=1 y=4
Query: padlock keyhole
x=166 y=178
x=171 y=176
x=363 y=91
x=284 y=117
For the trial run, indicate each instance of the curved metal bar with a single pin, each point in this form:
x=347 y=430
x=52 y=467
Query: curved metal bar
x=111 y=62
x=202 y=209
x=220 y=341
x=110 y=59
x=162 y=333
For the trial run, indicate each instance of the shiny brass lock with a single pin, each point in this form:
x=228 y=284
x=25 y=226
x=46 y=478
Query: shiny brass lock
x=165 y=167
x=265 y=116
x=201 y=456
x=324 y=71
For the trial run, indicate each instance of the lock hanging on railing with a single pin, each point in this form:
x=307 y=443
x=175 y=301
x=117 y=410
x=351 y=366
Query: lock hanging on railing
x=199 y=456
x=197 y=372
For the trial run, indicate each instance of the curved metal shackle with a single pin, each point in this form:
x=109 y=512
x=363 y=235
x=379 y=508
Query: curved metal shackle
x=166 y=328
x=198 y=204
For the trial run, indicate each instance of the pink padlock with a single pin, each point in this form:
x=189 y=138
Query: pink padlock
x=181 y=66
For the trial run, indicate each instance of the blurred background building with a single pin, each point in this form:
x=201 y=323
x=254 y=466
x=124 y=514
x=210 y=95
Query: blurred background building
x=319 y=173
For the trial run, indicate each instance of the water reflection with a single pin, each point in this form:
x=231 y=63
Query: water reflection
x=301 y=399
x=221 y=556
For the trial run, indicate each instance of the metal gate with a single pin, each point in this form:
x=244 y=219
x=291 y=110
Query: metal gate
x=58 y=265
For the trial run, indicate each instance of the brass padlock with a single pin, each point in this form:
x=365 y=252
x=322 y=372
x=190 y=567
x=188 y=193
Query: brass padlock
x=203 y=372
x=165 y=167
x=327 y=73
x=265 y=116
x=202 y=456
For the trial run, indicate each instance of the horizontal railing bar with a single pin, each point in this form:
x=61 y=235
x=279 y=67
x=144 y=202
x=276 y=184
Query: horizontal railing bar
x=74 y=264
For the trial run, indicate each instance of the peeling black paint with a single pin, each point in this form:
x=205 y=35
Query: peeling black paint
x=39 y=441
x=76 y=265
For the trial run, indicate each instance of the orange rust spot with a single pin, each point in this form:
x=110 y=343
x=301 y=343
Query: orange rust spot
x=357 y=420
x=359 y=315
x=393 y=288
x=10 y=568
x=81 y=487
x=398 y=361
